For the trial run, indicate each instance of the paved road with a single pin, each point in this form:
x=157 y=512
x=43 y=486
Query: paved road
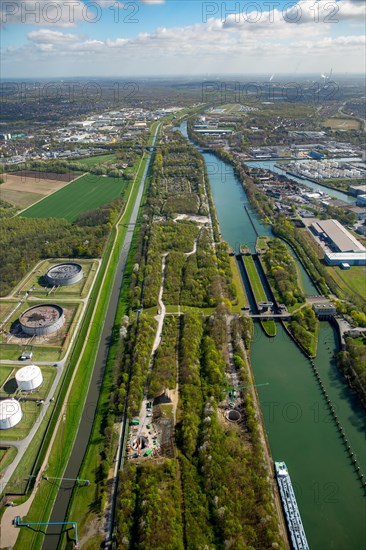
x=72 y=470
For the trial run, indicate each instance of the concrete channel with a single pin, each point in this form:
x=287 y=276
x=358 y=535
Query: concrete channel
x=65 y=491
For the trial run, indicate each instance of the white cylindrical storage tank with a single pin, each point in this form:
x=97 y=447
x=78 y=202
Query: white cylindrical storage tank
x=29 y=378
x=10 y=413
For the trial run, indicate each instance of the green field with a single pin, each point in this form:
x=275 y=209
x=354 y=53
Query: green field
x=4 y=374
x=84 y=194
x=92 y=161
x=351 y=280
x=258 y=290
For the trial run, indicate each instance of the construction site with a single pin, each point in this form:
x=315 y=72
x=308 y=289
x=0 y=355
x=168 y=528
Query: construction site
x=151 y=434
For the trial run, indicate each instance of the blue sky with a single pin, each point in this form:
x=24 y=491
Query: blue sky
x=174 y=37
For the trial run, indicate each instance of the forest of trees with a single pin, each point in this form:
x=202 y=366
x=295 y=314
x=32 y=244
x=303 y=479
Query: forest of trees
x=304 y=327
x=216 y=493
x=25 y=241
x=282 y=273
x=164 y=371
x=197 y=279
x=286 y=230
x=352 y=362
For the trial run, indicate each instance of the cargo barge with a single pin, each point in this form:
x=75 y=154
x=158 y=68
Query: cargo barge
x=293 y=518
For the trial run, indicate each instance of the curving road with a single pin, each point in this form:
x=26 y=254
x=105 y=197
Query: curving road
x=86 y=423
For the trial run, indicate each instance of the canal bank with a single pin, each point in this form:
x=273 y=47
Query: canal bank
x=300 y=426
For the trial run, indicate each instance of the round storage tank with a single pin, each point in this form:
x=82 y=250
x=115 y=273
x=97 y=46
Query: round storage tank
x=29 y=378
x=42 y=320
x=64 y=274
x=10 y=413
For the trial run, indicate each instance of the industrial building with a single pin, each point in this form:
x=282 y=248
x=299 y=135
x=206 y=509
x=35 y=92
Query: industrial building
x=361 y=200
x=42 y=320
x=316 y=155
x=29 y=378
x=10 y=413
x=341 y=258
x=357 y=210
x=325 y=310
x=64 y=274
x=336 y=236
x=357 y=190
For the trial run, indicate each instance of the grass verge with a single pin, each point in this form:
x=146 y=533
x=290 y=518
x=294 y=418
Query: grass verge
x=253 y=275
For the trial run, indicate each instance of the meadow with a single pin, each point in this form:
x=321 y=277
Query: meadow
x=344 y=124
x=84 y=194
x=90 y=162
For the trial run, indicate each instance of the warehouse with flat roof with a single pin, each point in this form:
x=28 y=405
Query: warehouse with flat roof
x=338 y=238
x=350 y=258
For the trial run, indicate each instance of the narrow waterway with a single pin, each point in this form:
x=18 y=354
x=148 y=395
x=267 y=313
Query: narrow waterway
x=300 y=427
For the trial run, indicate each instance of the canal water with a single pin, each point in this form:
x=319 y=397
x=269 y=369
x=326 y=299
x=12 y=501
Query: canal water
x=300 y=427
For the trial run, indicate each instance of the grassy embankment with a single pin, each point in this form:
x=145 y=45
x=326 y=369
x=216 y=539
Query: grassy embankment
x=7 y=455
x=351 y=282
x=269 y=326
x=90 y=333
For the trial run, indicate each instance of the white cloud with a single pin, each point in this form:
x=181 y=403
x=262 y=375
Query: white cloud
x=47 y=36
x=215 y=46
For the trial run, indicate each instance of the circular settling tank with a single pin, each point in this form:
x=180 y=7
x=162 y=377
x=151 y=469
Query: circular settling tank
x=64 y=274
x=29 y=378
x=233 y=415
x=10 y=413
x=42 y=320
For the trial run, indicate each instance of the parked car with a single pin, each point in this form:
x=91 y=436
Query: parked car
x=26 y=355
